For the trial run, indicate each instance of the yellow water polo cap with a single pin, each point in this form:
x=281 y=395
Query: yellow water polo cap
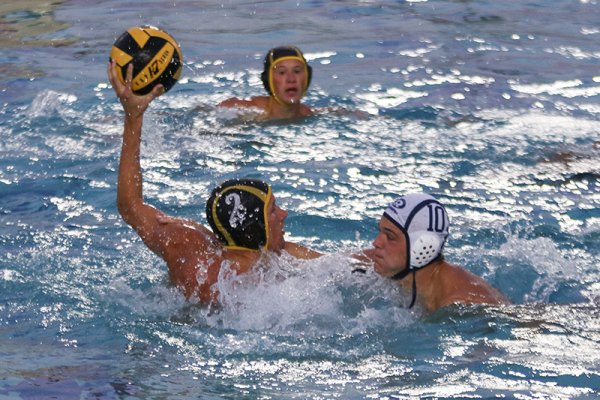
x=276 y=55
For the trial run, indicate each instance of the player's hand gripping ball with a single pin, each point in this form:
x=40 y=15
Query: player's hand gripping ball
x=155 y=55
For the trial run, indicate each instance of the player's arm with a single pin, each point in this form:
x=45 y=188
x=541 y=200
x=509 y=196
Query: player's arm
x=365 y=255
x=301 y=252
x=142 y=217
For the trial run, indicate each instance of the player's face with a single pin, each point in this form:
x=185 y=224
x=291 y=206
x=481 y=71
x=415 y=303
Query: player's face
x=289 y=81
x=390 y=249
x=276 y=220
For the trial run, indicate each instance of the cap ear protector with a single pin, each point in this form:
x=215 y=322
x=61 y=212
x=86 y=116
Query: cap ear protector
x=276 y=55
x=424 y=248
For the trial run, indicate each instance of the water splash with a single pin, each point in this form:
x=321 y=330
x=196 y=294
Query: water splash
x=307 y=298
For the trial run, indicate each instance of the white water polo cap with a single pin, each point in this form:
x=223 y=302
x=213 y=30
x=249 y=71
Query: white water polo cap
x=425 y=223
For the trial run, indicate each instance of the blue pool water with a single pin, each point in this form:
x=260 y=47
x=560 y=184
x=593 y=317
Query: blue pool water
x=494 y=107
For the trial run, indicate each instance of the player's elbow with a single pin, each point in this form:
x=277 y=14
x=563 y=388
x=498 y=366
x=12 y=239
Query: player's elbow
x=123 y=210
x=126 y=209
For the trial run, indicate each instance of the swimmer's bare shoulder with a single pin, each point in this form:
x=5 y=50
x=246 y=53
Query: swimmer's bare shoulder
x=192 y=254
x=261 y=102
x=306 y=111
x=462 y=286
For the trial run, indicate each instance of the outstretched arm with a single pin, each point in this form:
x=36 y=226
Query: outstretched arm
x=235 y=102
x=302 y=252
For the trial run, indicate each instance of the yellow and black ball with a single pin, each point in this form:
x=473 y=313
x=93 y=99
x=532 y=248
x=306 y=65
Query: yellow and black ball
x=155 y=55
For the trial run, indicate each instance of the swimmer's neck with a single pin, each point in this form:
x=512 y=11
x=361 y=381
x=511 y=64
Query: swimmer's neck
x=242 y=260
x=425 y=276
x=279 y=110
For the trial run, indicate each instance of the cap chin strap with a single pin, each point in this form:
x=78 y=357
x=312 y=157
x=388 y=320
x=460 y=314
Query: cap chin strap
x=424 y=248
x=401 y=275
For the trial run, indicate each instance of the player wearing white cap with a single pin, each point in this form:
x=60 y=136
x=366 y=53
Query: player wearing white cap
x=412 y=234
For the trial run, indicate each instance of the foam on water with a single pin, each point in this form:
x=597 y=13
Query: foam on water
x=308 y=298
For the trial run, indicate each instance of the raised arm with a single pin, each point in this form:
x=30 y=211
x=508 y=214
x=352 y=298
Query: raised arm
x=140 y=216
x=162 y=234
